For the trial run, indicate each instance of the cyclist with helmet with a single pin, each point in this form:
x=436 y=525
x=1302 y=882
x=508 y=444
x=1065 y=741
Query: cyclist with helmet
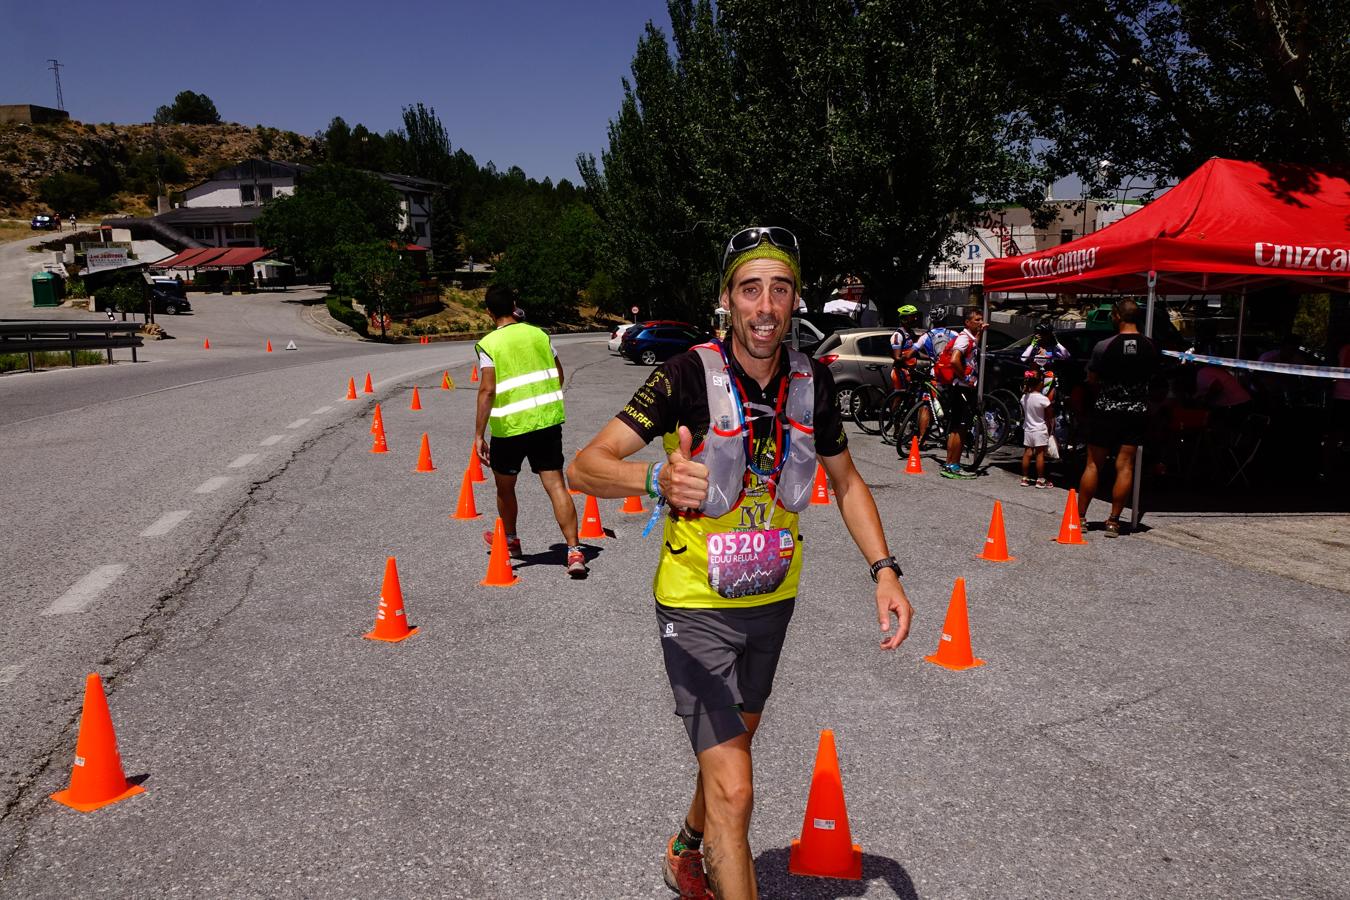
x=902 y=347
x=743 y=422
x=1042 y=352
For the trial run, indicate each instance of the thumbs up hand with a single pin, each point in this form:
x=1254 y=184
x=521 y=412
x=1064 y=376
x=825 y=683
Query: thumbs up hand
x=684 y=483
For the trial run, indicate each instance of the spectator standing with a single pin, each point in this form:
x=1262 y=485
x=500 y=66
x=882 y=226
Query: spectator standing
x=1119 y=371
x=1219 y=390
x=957 y=373
x=1036 y=418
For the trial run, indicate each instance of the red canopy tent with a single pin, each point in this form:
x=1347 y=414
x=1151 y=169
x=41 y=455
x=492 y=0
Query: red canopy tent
x=1228 y=226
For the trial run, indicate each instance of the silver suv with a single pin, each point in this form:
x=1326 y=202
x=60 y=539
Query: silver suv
x=857 y=356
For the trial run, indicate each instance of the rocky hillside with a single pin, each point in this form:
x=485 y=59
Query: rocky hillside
x=127 y=160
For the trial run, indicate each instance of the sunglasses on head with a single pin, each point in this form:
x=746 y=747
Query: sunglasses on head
x=751 y=238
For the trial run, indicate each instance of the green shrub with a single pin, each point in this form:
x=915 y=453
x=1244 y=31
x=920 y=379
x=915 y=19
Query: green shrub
x=340 y=308
x=75 y=287
x=49 y=359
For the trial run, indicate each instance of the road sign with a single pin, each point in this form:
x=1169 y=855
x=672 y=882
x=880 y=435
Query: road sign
x=634 y=310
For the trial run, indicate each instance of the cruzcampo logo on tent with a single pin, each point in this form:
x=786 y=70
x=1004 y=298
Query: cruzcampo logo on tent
x=1292 y=256
x=1070 y=262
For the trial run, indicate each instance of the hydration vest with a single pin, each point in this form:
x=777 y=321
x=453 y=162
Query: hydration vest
x=723 y=448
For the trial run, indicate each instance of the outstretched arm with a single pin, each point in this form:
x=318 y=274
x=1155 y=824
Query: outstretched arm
x=859 y=512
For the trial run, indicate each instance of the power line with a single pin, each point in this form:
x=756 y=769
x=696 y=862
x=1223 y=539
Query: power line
x=56 y=72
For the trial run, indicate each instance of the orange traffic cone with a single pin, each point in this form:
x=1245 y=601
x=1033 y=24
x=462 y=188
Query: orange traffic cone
x=380 y=446
x=424 y=456
x=351 y=389
x=1070 y=527
x=368 y=389
x=377 y=420
x=446 y=383
x=590 y=520
x=820 y=494
x=206 y=344
x=269 y=346
x=466 y=508
x=416 y=401
x=97 y=778
x=475 y=466
x=996 y=544
x=499 y=572
x=914 y=466
x=826 y=848
x=953 y=650
x=473 y=375
x=391 y=623
x=632 y=505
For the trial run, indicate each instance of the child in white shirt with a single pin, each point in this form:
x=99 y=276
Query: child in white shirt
x=1036 y=419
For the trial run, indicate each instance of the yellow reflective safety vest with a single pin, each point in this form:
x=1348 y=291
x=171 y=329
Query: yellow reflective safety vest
x=529 y=388
x=743 y=548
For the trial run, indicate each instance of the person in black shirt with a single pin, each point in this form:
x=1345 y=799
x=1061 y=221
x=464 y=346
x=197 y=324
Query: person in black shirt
x=1120 y=371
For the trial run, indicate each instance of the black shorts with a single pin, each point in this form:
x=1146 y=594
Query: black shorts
x=543 y=448
x=959 y=402
x=1113 y=430
x=721 y=663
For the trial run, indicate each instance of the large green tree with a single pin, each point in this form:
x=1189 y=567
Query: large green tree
x=551 y=267
x=378 y=275
x=188 y=108
x=332 y=206
x=872 y=129
x=1156 y=88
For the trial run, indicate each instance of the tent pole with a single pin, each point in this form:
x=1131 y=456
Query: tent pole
x=1242 y=315
x=1135 y=514
x=983 y=342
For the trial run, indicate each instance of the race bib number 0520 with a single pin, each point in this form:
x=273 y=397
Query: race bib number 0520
x=745 y=563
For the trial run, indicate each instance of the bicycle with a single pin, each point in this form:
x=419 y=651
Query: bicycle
x=929 y=421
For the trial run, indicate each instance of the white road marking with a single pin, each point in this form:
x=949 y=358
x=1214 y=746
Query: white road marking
x=9 y=673
x=211 y=484
x=272 y=439
x=240 y=461
x=86 y=590
x=298 y=423
x=166 y=523
x=321 y=410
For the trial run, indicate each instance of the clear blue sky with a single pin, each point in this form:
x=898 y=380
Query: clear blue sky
x=519 y=82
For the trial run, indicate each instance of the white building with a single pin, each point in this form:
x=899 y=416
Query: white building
x=219 y=212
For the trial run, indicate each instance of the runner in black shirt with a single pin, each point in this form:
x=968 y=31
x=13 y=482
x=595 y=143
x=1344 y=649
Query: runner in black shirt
x=1120 y=371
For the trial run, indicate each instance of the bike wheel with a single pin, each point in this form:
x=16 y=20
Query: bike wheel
x=892 y=408
x=867 y=406
x=975 y=442
x=909 y=425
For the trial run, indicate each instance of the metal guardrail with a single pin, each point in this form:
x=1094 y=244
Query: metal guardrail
x=31 y=336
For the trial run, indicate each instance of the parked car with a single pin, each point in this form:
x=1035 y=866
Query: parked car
x=810 y=329
x=856 y=356
x=167 y=301
x=650 y=344
x=45 y=222
x=616 y=336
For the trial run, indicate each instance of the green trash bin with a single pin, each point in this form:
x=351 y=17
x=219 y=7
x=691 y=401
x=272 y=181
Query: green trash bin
x=46 y=289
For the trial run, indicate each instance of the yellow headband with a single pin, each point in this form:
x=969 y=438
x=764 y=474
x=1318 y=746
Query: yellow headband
x=764 y=251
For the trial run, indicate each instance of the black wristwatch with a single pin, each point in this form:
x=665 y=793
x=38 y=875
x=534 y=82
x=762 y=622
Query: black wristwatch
x=886 y=563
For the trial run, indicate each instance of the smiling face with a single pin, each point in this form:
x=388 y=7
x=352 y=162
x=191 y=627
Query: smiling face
x=760 y=297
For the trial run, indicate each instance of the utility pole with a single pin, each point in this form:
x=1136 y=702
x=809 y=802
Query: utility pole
x=56 y=72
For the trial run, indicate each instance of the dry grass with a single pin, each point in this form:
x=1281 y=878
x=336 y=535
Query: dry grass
x=14 y=231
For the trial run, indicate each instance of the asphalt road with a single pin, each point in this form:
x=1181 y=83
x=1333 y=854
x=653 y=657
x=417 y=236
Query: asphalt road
x=1151 y=722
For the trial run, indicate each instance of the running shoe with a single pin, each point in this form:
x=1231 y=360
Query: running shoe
x=1026 y=482
x=684 y=873
x=512 y=545
x=1042 y=483
x=576 y=564
x=1112 y=528
x=955 y=471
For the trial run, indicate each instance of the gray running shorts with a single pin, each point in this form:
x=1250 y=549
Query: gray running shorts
x=721 y=663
